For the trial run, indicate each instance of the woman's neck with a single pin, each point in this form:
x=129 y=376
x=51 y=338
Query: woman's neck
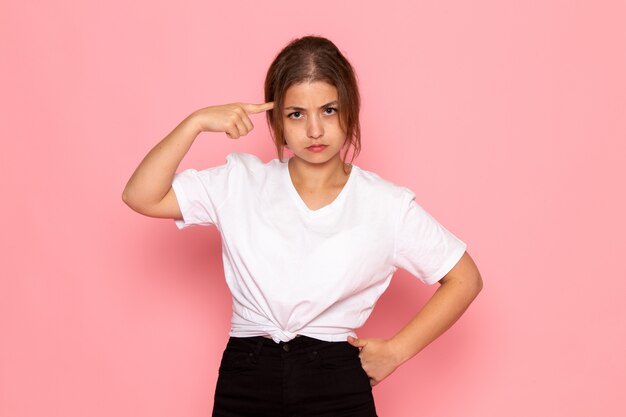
x=318 y=176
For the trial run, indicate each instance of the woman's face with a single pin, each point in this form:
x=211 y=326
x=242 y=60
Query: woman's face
x=311 y=122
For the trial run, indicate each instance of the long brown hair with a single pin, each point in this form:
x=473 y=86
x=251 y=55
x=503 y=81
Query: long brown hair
x=307 y=59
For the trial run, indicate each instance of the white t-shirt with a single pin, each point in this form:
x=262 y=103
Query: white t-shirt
x=292 y=270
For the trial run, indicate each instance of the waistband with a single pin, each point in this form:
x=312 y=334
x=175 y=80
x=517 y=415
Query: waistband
x=300 y=343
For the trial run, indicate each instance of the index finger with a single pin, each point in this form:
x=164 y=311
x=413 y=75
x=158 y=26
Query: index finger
x=258 y=108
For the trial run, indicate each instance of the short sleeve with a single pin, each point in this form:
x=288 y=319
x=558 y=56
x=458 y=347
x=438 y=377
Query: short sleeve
x=201 y=193
x=423 y=247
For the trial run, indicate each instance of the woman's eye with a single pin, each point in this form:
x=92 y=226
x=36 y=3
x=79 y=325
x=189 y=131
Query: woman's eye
x=330 y=110
x=294 y=115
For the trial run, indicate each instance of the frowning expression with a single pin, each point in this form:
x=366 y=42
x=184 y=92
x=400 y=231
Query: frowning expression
x=312 y=128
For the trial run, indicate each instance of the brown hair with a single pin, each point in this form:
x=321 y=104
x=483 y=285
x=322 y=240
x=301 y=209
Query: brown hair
x=307 y=59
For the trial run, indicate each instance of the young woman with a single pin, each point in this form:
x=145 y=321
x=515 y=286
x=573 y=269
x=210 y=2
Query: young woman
x=309 y=244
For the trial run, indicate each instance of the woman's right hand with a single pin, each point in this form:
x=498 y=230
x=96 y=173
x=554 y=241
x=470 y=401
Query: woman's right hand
x=231 y=119
x=149 y=190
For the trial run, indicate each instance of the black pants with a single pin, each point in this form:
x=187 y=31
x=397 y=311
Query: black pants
x=303 y=377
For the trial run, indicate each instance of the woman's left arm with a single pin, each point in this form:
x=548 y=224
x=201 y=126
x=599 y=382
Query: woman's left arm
x=458 y=289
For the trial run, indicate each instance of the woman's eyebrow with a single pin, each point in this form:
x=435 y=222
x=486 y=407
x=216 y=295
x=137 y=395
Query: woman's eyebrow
x=297 y=108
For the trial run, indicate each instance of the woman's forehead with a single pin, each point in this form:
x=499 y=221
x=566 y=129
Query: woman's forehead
x=311 y=94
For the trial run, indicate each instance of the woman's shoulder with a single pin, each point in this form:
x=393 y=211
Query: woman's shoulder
x=244 y=159
x=371 y=183
x=238 y=165
x=251 y=163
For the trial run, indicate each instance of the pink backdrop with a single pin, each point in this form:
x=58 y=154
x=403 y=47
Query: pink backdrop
x=506 y=118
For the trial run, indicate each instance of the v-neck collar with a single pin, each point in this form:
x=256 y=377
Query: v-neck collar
x=293 y=192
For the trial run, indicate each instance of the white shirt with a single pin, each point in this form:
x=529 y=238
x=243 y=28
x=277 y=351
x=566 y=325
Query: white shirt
x=292 y=270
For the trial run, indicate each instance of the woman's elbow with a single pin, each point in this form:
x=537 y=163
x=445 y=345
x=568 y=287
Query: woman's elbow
x=131 y=200
x=477 y=283
x=127 y=198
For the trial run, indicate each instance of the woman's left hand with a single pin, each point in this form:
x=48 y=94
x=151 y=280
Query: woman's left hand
x=378 y=357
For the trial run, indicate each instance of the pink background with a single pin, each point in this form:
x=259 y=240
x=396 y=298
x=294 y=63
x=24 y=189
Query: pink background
x=506 y=118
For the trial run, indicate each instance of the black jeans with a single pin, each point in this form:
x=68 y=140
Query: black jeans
x=303 y=377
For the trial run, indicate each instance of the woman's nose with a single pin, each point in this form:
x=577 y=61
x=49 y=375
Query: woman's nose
x=314 y=129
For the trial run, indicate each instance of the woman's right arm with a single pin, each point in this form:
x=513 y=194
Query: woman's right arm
x=149 y=190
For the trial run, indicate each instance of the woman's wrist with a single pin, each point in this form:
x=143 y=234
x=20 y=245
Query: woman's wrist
x=193 y=123
x=401 y=351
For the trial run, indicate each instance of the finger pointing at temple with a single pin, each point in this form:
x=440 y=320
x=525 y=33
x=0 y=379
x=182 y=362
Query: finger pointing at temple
x=257 y=108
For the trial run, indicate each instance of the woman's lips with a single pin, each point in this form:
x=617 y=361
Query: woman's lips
x=317 y=148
